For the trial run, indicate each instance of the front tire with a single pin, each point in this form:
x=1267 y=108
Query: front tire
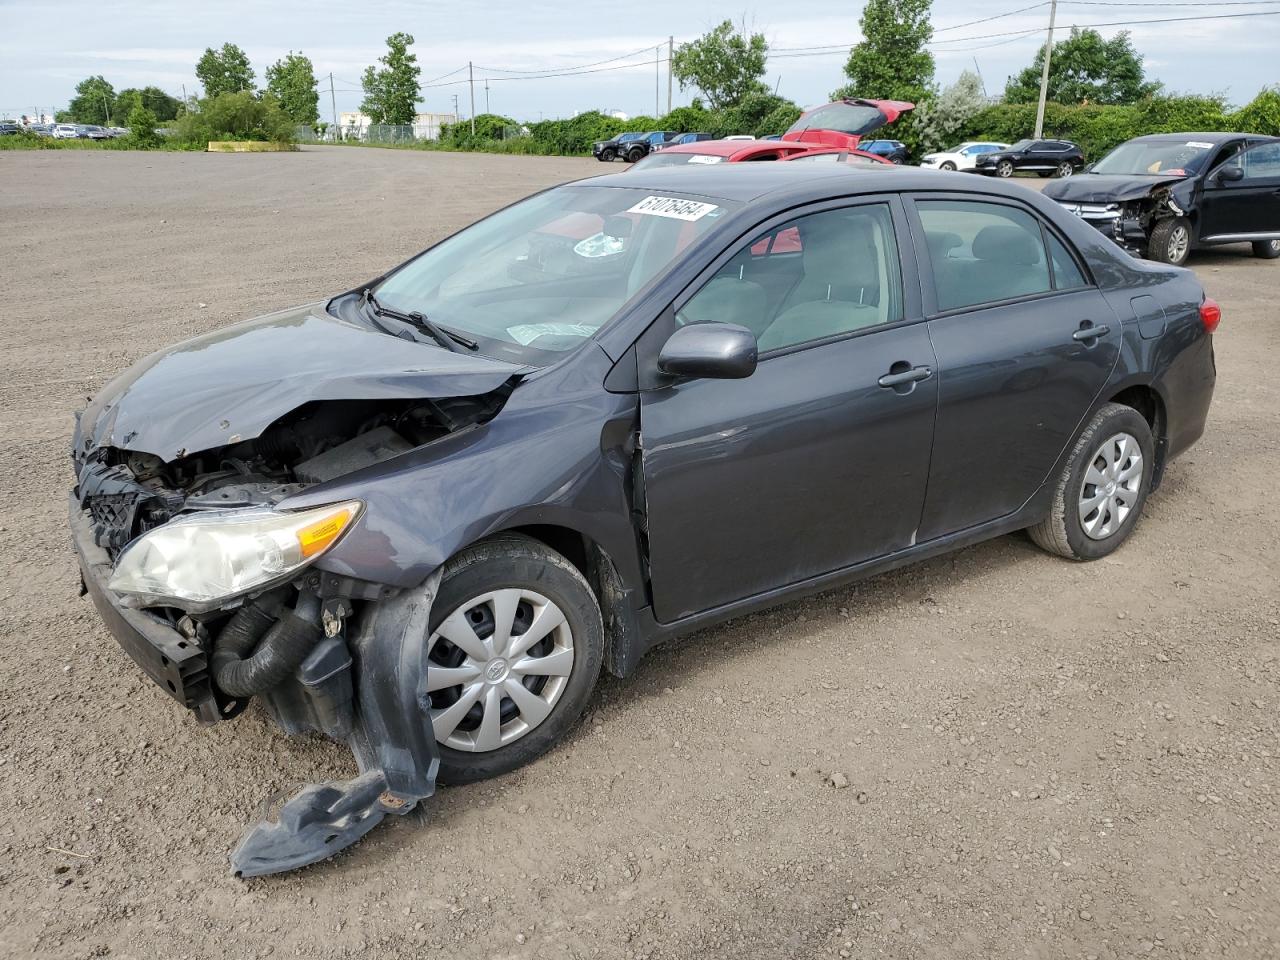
x=1170 y=241
x=1267 y=249
x=1102 y=488
x=946 y=165
x=607 y=155
x=1004 y=169
x=515 y=647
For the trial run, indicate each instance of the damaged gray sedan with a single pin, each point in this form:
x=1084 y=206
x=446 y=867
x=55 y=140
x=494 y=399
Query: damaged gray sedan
x=421 y=517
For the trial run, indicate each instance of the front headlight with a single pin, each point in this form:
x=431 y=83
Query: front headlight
x=198 y=561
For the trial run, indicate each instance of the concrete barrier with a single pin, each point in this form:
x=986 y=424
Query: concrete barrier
x=248 y=146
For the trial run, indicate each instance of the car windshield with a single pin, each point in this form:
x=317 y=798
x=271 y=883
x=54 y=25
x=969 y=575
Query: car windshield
x=1155 y=158
x=855 y=118
x=537 y=279
x=667 y=158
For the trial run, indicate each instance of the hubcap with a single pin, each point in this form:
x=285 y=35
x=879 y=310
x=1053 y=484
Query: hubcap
x=1275 y=246
x=1111 y=485
x=1005 y=168
x=1064 y=170
x=497 y=665
x=1178 y=243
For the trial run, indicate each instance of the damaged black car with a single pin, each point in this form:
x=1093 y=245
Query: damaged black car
x=1163 y=196
x=422 y=516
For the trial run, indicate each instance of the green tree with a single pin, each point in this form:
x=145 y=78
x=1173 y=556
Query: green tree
x=939 y=120
x=293 y=82
x=160 y=103
x=1260 y=115
x=126 y=102
x=1085 y=68
x=725 y=64
x=391 y=92
x=892 y=61
x=142 y=128
x=224 y=71
x=92 y=102
x=235 y=116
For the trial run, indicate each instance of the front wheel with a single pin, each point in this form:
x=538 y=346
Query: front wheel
x=1170 y=241
x=514 y=651
x=1102 y=488
x=607 y=154
x=1004 y=168
x=1266 y=249
x=946 y=165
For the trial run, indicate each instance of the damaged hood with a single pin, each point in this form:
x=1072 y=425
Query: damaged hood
x=1100 y=188
x=844 y=123
x=232 y=384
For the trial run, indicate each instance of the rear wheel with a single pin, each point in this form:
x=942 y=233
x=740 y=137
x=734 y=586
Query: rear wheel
x=634 y=155
x=1004 y=168
x=1170 y=241
x=1102 y=488
x=1266 y=249
x=514 y=651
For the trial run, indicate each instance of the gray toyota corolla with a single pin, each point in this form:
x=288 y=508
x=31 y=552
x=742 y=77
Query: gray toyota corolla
x=422 y=516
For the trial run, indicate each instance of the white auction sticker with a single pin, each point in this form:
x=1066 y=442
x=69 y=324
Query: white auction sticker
x=673 y=207
x=705 y=158
x=1199 y=145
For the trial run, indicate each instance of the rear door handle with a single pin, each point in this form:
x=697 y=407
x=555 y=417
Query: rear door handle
x=1091 y=332
x=905 y=376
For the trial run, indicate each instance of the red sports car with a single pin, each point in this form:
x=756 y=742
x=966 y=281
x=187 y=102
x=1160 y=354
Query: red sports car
x=845 y=122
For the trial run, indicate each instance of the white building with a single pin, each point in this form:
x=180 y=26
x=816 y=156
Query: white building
x=426 y=126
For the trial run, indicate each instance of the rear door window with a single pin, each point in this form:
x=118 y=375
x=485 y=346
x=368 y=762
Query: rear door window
x=983 y=252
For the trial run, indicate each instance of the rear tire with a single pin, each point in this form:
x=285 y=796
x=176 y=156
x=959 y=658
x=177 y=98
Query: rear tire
x=634 y=155
x=470 y=590
x=1170 y=241
x=1103 y=487
x=1267 y=249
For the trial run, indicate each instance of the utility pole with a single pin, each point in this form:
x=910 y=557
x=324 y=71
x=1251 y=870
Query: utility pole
x=107 y=107
x=471 y=74
x=333 y=105
x=1044 y=75
x=671 y=48
x=486 y=94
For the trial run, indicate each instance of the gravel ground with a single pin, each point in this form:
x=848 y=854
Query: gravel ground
x=992 y=754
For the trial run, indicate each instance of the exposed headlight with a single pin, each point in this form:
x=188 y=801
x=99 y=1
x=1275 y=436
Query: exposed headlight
x=198 y=561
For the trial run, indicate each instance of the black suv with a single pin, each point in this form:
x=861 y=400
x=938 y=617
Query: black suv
x=1163 y=195
x=631 y=146
x=1049 y=158
x=9 y=127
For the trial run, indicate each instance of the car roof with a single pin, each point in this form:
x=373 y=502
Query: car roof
x=733 y=148
x=1215 y=137
x=745 y=182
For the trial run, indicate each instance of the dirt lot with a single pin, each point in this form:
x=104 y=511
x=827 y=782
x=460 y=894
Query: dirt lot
x=1042 y=759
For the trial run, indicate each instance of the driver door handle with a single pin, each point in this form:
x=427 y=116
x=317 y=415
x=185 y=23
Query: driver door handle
x=1091 y=332
x=905 y=376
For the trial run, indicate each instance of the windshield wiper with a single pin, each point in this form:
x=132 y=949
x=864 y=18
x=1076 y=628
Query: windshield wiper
x=446 y=338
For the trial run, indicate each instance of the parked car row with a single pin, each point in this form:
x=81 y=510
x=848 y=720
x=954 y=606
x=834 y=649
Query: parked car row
x=62 y=131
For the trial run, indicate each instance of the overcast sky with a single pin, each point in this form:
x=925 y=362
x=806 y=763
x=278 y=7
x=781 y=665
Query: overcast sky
x=47 y=46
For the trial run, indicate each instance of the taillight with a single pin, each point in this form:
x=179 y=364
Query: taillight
x=1210 y=315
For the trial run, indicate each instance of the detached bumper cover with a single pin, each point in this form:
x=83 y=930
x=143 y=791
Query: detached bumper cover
x=178 y=666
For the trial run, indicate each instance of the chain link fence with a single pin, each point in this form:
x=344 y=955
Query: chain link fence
x=370 y=133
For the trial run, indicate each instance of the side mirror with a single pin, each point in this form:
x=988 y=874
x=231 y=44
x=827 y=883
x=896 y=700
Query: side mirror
x=1231 y=174
x=715 y=351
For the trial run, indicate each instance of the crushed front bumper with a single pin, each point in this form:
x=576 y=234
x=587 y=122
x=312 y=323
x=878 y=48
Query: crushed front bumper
x=390 y=734
x=178 y=665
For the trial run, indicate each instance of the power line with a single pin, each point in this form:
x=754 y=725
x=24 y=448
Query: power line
x=580 y=66
x=1121 y=23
